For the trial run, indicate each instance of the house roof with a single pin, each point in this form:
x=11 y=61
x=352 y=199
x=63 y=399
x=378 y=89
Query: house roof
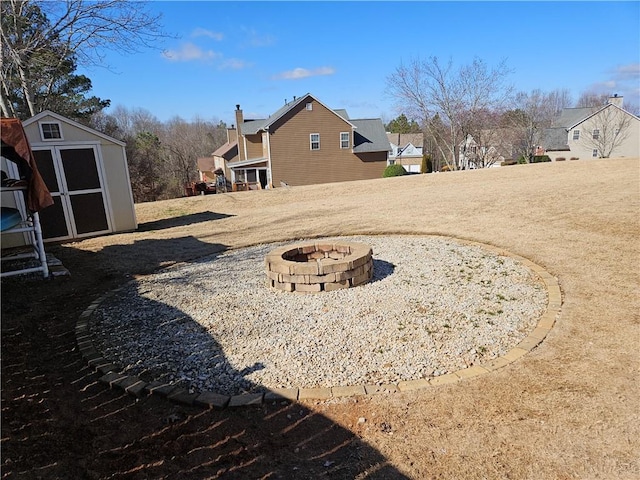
x=223 y=150
x=408 y=150
x=370 y=136
x=251 y=127
x=572 y=116
x=342 y=112
x=400 y=139
x=555 y=139
x=245 y=163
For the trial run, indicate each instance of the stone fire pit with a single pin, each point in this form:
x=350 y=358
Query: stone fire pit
x=318 y=267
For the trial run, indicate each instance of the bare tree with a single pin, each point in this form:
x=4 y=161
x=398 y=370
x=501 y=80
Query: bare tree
x=607 y=130
x=426 y=88
x=592 y=99
x=186 y=141
x=560 y=99
x=531 y=114
x=67 y=29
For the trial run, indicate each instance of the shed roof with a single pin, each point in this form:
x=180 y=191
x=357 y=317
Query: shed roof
x=91 y=131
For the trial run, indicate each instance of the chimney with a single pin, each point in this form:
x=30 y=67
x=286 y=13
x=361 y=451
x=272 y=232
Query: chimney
x=239 y=121
x=616 y=100
x=232 y=134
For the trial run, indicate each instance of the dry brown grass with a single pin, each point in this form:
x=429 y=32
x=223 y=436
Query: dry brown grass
x=568 y=409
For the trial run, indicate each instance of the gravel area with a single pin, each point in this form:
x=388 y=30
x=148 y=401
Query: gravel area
x=434 y=306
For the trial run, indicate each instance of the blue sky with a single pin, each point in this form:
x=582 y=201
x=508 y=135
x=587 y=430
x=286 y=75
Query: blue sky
x=257 y=54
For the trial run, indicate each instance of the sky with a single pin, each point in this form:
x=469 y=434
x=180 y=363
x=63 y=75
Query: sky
x=259 y=54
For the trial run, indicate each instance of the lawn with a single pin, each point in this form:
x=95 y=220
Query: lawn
x=568 y=409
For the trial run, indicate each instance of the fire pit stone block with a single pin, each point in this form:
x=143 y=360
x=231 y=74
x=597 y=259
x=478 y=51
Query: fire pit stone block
x=318 y=267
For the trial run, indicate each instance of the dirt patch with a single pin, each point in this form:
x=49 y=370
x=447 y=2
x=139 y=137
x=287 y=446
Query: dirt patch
x=566 y=410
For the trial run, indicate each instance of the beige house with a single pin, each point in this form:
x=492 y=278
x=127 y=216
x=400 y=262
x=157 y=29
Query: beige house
x=406 y=150
x=600 y=132
x=87 y=175
x=473 y=154
x=303 y=143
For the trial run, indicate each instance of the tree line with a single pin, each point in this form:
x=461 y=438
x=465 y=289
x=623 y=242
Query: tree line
x=44 y=42
x=161 y=155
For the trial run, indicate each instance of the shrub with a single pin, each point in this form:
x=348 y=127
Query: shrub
x=445 y=168
x=540 y=158
x=509 y=162
x=574 y=158
x=522 y=160
x=426 y=166
x=560 y=159
x=394 y=170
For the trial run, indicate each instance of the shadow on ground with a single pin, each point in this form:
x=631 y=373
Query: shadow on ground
x=58 y=421
x=181 y=221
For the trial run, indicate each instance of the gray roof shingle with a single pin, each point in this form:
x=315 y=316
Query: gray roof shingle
x=370 y=136
x=571 y=116
x=555 y=139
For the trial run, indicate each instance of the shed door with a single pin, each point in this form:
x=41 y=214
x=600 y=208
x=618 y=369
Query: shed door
x=74 y=179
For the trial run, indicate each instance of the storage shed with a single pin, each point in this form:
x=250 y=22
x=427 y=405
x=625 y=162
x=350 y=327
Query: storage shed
x=87 y=174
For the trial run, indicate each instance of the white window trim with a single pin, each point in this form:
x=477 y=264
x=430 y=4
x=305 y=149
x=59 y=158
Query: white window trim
x=311 y=142
x=40 y=127
x=309 y=106
x=348 y=140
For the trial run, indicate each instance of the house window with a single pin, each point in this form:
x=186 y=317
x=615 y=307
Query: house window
x=315 y=141
x=594 y=153
x=576 y=134
x=51 y=131
x=309 y=106
x=596 y=134
x=344 y=139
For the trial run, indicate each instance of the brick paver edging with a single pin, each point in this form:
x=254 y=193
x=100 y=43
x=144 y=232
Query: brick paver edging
x=112 y=376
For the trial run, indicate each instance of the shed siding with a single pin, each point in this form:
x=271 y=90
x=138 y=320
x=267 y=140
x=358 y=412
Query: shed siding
x=293 y=161
x=117 y=187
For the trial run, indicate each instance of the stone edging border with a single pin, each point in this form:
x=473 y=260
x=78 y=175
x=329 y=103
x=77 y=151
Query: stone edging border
x=135 y=386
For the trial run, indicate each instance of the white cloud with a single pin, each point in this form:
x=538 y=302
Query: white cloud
x=189 y=52
x=234 y=64
x=627 y=72
x=203 y=32
x=255 y=39
x=298 y=73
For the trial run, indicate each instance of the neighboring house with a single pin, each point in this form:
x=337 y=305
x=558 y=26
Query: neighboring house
x=593 y=132
x=87 y=175
x=472 y=155
x=406 y=150
x=304 y=143
x=218 y=159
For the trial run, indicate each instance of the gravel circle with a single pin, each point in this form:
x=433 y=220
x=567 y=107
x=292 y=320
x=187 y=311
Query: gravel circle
x=434 y=306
